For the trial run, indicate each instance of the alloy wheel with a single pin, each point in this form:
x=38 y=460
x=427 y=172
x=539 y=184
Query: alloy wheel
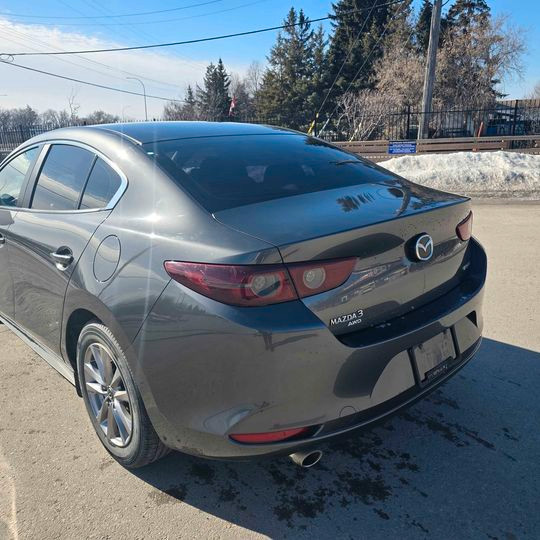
x=107 y=394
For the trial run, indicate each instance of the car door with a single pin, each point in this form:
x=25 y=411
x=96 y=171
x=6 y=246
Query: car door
x=13 y=177
x=49 y=235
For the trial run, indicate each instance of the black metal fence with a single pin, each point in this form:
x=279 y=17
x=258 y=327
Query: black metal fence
x=518 y=117
x=12 y=137
x=505 y=118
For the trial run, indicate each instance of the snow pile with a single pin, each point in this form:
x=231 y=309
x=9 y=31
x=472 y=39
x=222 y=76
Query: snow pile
x=486 y=174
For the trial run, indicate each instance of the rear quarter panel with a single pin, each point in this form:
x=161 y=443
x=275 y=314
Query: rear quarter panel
x=120 y=275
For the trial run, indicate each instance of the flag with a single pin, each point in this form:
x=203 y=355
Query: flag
x=233 y=106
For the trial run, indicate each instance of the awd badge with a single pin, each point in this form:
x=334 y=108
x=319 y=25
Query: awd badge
x=351 y=318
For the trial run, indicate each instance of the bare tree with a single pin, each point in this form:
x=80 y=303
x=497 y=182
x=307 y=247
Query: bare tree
x=535 y=94
x=361 y=115
x=244 y=101
x=254 y=77
x=101 y=117
x=23 y=117
x=182 y=110
x=173 y=110
x=471 y=63
x=55 y=119
x=400 y=74
x=73 y=105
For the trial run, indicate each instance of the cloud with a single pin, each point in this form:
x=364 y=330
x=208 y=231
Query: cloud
x=164 y=73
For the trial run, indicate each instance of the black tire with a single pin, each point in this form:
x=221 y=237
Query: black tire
x=142 y=446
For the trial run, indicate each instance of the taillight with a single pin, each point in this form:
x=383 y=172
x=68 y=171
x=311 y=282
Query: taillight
x=464 y=229
x=271 y=436
x=261 y=285
x=314 y=278
x=236 y=285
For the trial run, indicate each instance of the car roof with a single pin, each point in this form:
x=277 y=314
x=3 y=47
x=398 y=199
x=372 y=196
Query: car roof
x=146 y=132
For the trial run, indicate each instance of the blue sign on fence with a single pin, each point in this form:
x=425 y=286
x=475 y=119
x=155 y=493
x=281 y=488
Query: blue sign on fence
x=402 y=147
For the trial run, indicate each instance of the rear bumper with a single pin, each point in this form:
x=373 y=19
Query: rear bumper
x=206 y=370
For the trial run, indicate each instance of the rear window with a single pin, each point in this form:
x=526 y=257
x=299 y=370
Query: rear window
x=230 y=171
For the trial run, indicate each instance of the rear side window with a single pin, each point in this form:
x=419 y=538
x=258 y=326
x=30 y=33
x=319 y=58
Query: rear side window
x=62 y=178
x=12 y=177
x=228 y=171
x=102 y=185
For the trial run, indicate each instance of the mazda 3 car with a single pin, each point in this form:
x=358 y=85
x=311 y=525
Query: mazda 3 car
x=232 y=290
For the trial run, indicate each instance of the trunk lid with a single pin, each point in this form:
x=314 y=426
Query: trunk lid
x=379 y=224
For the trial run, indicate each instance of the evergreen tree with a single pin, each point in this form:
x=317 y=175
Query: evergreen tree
x=354 y=36
x=221 y=88
x=212 y=99
x=317 y=59
x=400 y=26
x=423 y=24
x=464 y=13
x=189 y=109
x=186 y=110
x=478 y=52
x=288 y=82
x=243 y=109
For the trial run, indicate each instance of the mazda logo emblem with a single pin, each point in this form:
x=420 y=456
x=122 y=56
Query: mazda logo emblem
x=424 y=248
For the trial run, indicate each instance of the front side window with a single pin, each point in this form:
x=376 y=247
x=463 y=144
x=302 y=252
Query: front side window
x=101 y=187
x=62 y=178
x=12 y=177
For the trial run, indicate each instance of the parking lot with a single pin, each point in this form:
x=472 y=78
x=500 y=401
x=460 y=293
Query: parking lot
x=462 y=464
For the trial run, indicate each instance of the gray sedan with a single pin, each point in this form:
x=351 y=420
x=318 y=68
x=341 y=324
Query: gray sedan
x=232 y=290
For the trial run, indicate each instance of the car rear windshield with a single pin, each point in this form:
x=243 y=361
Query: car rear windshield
x=230 y=171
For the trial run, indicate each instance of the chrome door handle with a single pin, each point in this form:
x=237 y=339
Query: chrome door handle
x=63 y=257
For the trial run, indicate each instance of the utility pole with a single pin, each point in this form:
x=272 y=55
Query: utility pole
x=434 y=31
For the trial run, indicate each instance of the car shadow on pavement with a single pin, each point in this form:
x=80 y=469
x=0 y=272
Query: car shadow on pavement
x=461 y=463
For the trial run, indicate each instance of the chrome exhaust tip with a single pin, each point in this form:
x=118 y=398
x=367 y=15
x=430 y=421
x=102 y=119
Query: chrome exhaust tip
x=306 y=459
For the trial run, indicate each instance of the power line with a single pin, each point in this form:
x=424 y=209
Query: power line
x=138 y=32
x=346 y=58
x=404 y=45
x=18 y=38
x=383 y=33
x=26 y=36
x=363 y=64
x=191 y=41
x=71 y=7
x=120 y=15
x=145 y=23
x=88 y=83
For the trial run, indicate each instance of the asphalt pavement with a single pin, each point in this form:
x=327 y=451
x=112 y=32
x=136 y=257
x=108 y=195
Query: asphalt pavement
x=464 y=463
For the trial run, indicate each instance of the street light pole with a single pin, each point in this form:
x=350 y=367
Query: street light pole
x=144 y=93
x=124 y=112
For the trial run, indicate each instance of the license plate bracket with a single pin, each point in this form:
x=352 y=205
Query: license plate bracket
x=434 y=357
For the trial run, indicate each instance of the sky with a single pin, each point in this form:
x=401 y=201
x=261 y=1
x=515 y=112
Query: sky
x=166 y=72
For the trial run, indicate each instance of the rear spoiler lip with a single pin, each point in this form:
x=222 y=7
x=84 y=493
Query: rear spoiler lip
x=281 y=246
